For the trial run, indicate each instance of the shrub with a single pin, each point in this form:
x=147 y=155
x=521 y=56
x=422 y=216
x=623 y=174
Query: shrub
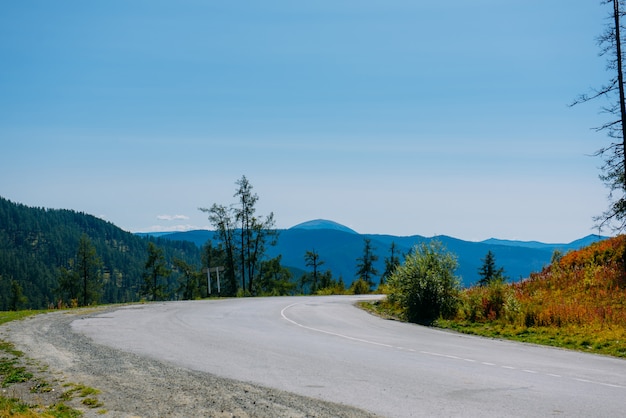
x=425 y=287
x=359 y=287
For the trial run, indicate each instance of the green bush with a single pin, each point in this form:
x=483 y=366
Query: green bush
x=359 y=287
x=425 y=287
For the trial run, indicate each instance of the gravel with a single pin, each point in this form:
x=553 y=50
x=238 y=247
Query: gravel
x=134 y=386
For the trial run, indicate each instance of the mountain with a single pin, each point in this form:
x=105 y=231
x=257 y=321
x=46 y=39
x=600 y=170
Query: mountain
x=574 y=245
x=323 y=224
x=35 y=243
x=339 y=247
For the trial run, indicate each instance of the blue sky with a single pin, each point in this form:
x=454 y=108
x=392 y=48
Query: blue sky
x=395 y=117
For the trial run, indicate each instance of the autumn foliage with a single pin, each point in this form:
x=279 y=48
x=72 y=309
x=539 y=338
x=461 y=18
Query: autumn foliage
x=584 y=288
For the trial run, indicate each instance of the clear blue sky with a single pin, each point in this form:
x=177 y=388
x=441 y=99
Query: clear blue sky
x=395 y=117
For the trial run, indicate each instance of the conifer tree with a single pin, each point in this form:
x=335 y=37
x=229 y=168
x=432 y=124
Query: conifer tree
x=365 y=264
x=82 y=281
x=312 y=260
x=391 y=263
x=488 y=272
x=155 y=269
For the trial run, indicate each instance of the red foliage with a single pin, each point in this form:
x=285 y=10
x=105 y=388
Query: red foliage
x=584 y=287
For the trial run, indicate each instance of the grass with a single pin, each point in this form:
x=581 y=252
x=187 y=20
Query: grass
x=607 y=341
x=7 y=316
x=598 y=340
x=578 y=302
x=12 y=372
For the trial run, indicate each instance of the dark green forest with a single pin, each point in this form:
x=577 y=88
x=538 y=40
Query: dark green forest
x=38 y=245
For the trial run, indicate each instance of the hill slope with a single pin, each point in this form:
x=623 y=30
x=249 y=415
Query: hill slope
x=578 y=302
x=36 y=242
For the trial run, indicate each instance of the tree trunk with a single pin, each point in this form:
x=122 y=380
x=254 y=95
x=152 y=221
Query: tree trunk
x=620 y=80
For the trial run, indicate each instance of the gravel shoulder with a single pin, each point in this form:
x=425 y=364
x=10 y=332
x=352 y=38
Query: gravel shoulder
x=136 y=386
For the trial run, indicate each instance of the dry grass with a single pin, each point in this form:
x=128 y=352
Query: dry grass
x=577 y=302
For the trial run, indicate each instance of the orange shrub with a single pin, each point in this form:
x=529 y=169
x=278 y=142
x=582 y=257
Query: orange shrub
x=584 y=287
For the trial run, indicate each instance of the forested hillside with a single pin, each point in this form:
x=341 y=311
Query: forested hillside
x=36 y=243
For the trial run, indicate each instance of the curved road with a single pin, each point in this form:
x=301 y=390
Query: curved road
x=323 y=347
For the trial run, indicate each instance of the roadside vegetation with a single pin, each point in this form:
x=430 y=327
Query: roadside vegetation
x=15 y=372
x=577 y=302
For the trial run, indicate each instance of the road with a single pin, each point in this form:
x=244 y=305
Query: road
x=324 y=347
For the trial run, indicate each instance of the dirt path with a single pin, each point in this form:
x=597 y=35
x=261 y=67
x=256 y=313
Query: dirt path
x=134 y=386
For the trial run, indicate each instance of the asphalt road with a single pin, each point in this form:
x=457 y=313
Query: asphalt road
x=324 y=347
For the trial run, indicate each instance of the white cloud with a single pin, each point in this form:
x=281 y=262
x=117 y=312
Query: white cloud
x=174 y=228
x=172 y=217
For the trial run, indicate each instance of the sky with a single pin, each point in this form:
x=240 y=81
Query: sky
x=397 y=117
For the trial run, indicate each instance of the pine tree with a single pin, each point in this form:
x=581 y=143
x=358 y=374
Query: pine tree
x=391 y=263
x=488 y=272
x=312 y=260
x=154 y=269
x=365 y=264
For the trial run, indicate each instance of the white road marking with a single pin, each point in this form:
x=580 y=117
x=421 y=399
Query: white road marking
x=282 y=313
x=428 y=353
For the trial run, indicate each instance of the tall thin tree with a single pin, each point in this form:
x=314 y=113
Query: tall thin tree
x=222 y=219
x=244 y=235
x=614 y=155
x=88 y=267
x=245 y=215
x=391 y=263
x=154 y=269
x=312 y=260
x=365 y=264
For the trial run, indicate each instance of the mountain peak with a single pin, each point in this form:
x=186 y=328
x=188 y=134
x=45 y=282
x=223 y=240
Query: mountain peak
x=323 y=224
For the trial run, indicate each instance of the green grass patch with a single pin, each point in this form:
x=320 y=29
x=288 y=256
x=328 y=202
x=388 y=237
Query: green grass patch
x=381 y=308
x=14 y=408
x=593 y=339
x=599 y=340
x=88 y=393
x=8 y=316
x=11 y=372
x=61 y=410
x=9 y=348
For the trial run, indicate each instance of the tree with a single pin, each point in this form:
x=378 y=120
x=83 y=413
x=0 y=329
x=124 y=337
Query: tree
x=217 y=256
x=365 y=264
x=17 y=299
x=274 y=280
x=244 y=235
x=69 y=283
x=312 y=260
x=255 y=232
x=360 y=287
x=614 y=155
x=189 y=282
x=391 y=263
x=154 y=269
x=222 y=219
x=88 y=266
x=489 y=273
x=82 y=280
x=425 y=287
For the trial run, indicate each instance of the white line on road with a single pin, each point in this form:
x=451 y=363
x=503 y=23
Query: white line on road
x=451 y=357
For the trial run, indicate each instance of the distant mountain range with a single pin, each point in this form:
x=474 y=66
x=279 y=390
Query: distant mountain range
x=339 y=247
x=36 y=242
